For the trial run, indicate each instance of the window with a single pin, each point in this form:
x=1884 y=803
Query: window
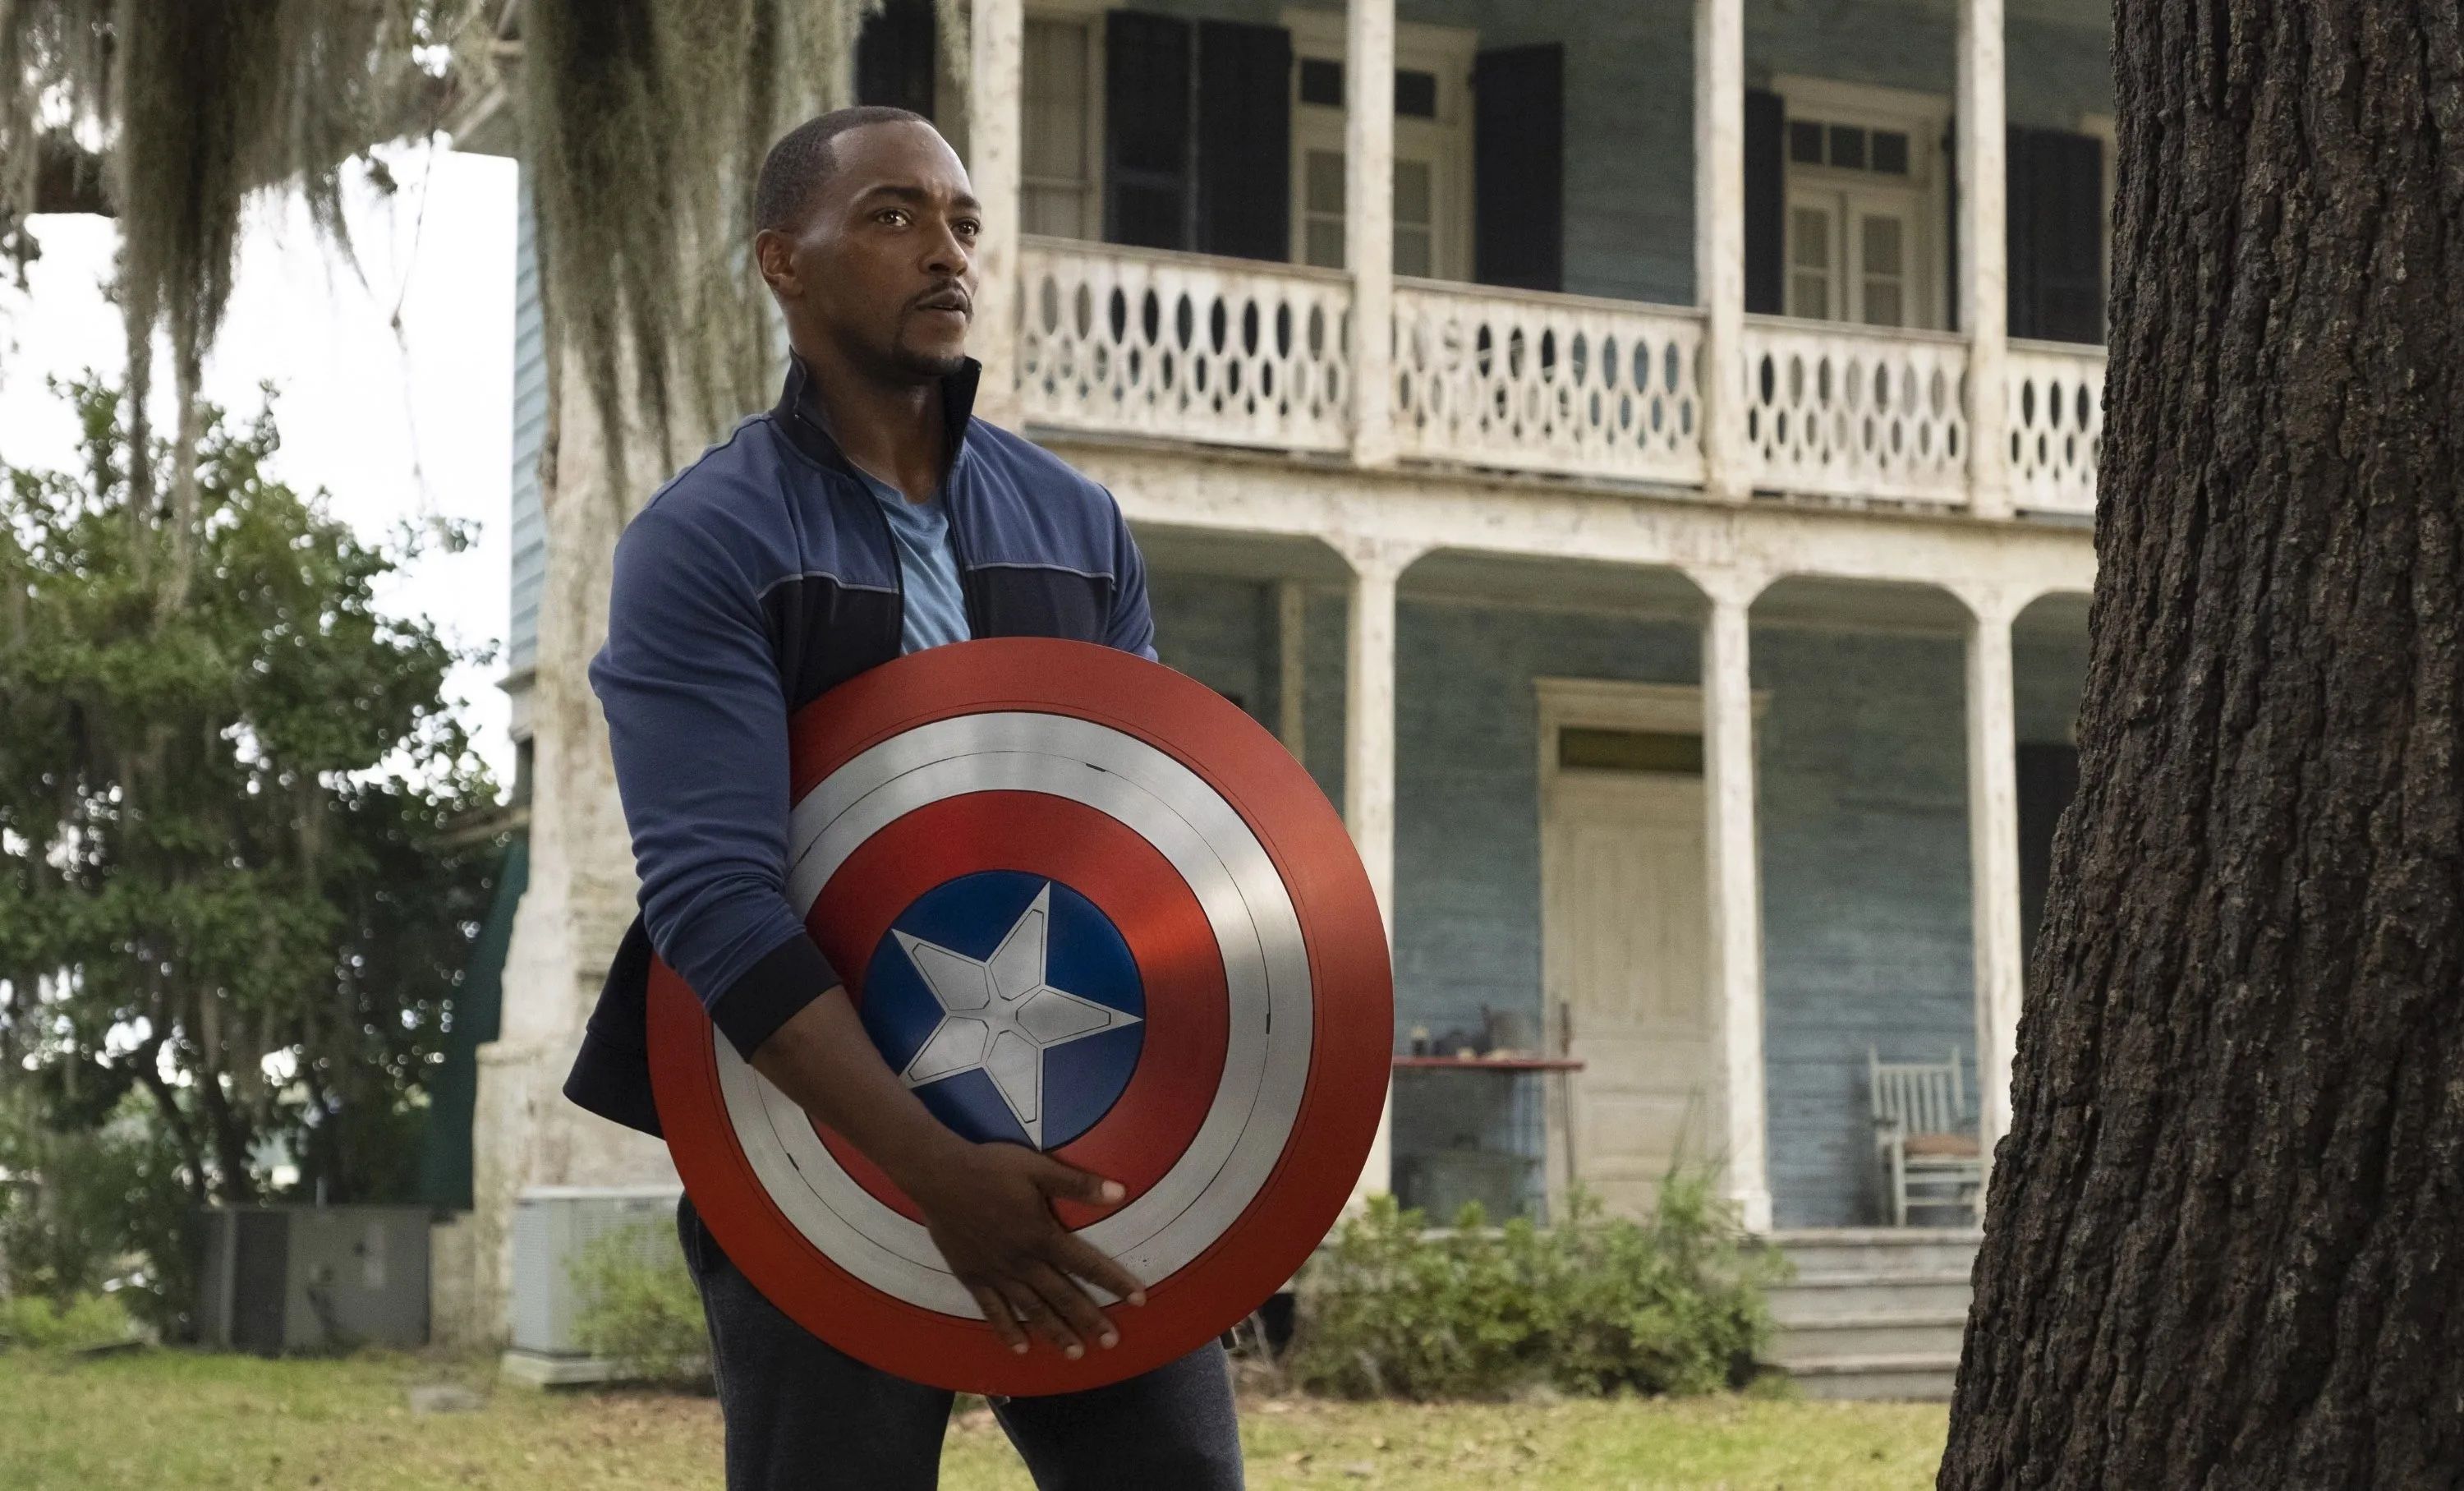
x=1864 y=224
x=1059 y=172
x=1431 y=179
x=1587 y=748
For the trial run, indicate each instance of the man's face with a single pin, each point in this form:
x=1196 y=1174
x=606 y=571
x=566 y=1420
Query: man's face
x=882 y=264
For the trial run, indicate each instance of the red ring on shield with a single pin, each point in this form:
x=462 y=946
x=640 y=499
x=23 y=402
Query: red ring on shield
x=1231 y=1260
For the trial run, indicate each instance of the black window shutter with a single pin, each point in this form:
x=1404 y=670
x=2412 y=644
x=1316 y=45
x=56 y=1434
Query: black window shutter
x=895 y=57
x=1146 y=130
x=1950 y=226
x=2048 y=781
x=1244 y=140
x=1766 y=203
x=1518 y=167
x=2019 y=238
x=2068 y=236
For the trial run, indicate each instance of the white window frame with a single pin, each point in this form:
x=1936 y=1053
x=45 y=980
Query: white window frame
x=1445 y=53
x=1089 y=13
x=2103 y=128
x=1922 y=117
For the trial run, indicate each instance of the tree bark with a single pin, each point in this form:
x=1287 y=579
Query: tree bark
x=2225 y=1245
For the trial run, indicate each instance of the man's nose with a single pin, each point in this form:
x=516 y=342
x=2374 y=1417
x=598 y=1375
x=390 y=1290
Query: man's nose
x=947 y=258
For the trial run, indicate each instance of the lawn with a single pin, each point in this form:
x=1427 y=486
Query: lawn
x=176 y=1419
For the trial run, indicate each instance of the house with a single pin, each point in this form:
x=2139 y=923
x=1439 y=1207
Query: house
x=1640 y=456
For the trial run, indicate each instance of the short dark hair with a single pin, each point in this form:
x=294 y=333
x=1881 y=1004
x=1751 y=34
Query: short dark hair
x=802 y=160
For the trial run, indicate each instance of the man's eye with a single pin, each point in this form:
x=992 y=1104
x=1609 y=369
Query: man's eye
x=968 y=227
x=893 y=217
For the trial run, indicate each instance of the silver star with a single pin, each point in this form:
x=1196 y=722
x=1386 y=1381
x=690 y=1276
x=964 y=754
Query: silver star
x=998 y=1015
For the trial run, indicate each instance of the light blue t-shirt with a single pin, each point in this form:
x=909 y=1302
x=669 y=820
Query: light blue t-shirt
x=928 y=568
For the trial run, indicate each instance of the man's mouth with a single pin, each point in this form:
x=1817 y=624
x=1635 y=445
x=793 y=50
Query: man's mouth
x=946 y=300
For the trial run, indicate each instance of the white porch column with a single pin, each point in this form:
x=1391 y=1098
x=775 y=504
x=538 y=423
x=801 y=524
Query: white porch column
x=1736 y=947
x=1369 y=767
x=1720 y=240
x=993 y=157
x=1369 y=224
x=1994 y=854
x=1984 y=254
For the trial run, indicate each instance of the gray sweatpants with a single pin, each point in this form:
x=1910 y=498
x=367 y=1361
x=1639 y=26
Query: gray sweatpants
x=802 y=1415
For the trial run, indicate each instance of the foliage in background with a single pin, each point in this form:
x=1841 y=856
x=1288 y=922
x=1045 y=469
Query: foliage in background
x=34 y=1323
x=168 y=116
x=639 y=1307
x=234 y=871
x=89 y=1210
x=643 y=120
x=1592 y=1305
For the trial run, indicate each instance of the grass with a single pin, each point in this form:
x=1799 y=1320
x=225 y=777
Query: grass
x=188 y=1420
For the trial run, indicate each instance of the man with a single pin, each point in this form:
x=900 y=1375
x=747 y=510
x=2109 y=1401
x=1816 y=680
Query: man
x=868 y=515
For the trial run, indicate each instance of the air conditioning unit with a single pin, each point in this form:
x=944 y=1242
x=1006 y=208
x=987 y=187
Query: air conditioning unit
x=279 y=1278
x=553 y=1227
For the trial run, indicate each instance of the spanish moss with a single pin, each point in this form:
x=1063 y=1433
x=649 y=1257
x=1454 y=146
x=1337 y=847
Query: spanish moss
x=645 y=123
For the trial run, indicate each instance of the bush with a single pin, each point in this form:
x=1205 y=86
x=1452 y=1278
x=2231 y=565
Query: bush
x=1593 y=1305
x=39 y=1324
x=89 y=1210
x=640 y=1310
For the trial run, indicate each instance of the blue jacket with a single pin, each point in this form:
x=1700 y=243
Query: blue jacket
x=760 y=577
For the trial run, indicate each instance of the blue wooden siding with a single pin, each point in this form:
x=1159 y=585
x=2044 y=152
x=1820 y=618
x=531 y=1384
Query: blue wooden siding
x=1863 y=819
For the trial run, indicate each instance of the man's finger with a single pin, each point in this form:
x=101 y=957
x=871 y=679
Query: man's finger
x=997 y=1311
x=1076 y=1256
x=1039 y=1317
x=1071 y=1304
x=1065 y=1180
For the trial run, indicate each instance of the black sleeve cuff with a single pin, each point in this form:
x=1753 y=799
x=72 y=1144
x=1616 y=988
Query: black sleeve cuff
x=788 y=977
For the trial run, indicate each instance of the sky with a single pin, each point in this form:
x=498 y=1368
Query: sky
x=393 y=426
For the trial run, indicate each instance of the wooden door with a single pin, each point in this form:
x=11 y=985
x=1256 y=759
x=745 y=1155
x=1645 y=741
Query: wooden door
x=1626 y=923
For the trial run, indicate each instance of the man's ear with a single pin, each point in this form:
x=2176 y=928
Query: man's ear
x=774 y=254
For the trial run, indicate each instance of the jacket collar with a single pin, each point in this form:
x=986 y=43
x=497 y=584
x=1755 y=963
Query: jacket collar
x=800 y=418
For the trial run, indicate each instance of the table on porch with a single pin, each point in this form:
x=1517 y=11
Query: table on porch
x=1530 y=1149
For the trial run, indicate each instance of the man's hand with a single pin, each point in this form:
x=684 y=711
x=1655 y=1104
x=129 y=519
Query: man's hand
x=991 y=1215
x=988 y=1207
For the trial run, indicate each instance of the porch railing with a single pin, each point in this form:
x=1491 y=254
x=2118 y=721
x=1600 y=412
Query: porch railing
x=2056 y=397
x=1552 y=383
x=1226 y=351
x=1230 y=351
x=1857 y=413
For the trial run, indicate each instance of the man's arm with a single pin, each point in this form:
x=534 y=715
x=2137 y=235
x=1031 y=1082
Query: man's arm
x=1131 y=628
x=697 y=724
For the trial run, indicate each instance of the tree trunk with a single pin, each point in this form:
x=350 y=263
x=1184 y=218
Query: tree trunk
x=2226 y=1238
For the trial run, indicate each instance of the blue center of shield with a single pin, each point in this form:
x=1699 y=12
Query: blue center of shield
x=1010 y=1005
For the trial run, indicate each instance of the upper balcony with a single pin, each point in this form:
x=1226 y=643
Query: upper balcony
x=1764 y=294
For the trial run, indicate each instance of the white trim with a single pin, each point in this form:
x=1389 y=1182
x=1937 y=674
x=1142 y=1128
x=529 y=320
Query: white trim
x=1863 y=103
x=2107 y=130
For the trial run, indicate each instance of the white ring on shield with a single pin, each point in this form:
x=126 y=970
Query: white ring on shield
x=1265 y=964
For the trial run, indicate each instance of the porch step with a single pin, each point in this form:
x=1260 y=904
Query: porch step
x=1894 y=1333
x=1924 y=1378
x=1881 y=1250
x=1873 y=1312
x=1840 y=1296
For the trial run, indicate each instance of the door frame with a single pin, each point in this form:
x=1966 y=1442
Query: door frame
x=1609 y=704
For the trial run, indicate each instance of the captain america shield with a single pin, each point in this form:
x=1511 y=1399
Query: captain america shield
x=1082 y=902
